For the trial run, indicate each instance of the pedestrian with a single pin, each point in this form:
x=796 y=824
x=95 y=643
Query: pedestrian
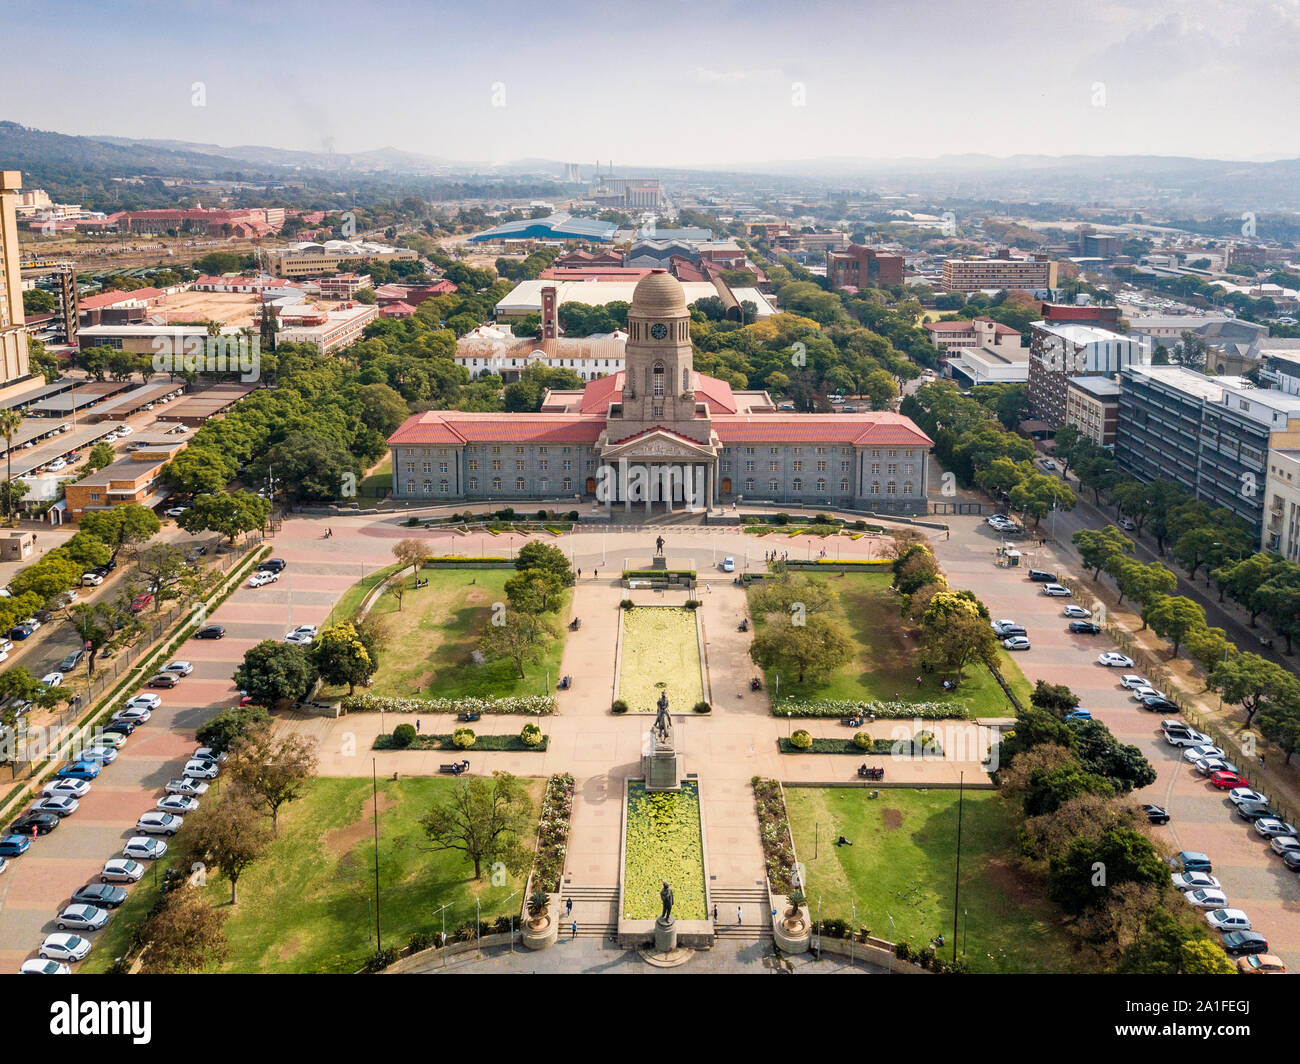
x=579 y=574
x=918 y=681
x=573 y=928
x=1261 y=760
x=417 y=725
x=568 y=907
x=738 y=919
x=595 y=573
x=708 y=587
x=715 y=912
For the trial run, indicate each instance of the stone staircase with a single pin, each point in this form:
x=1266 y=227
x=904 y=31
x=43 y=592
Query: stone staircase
x=595 y=909
x=756 y=916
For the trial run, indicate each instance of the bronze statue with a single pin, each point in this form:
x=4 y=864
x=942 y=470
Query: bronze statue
x=659 y=545
x=663 y=722
x=666 y=896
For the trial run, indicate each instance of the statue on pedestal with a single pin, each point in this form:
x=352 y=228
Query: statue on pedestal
x=666 y=896
x=663 y=725
x=659 y=545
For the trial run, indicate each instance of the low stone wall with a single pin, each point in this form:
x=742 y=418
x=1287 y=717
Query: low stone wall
x=456 y=949
x=875 y=951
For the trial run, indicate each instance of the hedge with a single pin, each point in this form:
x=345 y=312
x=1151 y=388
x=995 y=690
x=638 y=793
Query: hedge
x=646 y=574
x=882 y=710
x=530 y=705
x=434 y=741
x=892 y=747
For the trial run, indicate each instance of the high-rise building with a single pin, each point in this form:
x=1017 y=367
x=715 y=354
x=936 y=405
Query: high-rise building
x=1037 y=274
x=13 y=331
x=1059 y=352
x=860 y=267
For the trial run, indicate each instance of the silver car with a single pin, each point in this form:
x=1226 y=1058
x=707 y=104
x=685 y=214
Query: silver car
x=81 y=918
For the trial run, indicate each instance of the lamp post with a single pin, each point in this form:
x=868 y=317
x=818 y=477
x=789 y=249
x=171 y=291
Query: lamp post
x=443 y=948
x=511 y=910
x=891 y=944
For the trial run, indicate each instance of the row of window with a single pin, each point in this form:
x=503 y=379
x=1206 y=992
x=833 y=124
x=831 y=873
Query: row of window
x=796 y=485
x=443 y=487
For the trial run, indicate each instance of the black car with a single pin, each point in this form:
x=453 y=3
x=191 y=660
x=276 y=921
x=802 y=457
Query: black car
x=1085 y=628
x=1239 y=943
x=1159 y=705
x=1292 y=860
x=210 y=631
x=1155 y=814
x=43 y=823
x=101 y=895
x=120 y=727
x=105 y=569
x=273 y=565
x=73 y=659
x=1257 y=811
x=1040 y=576
x=44 y=616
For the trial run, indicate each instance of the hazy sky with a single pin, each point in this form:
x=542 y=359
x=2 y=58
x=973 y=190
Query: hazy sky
x=676 y=82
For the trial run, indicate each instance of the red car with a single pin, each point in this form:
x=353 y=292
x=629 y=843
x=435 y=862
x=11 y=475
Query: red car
x=141 y=601
x=1226 y=781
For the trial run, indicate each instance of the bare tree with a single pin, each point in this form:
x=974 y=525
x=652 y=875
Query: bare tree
x=272 y=770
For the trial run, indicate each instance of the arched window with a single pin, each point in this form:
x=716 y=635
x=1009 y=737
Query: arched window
x=875 y=487
x=658 y=380
x=496 y=483
x=428 y=486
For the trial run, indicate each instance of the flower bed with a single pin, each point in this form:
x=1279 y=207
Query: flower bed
x=553 y=833
x=530 y=705
x=893 y=747
x=436 y=741
x=882 y=710
x=774 y=831
x=663 y=843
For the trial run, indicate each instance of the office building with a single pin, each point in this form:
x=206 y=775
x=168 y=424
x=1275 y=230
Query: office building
x=1059 y=352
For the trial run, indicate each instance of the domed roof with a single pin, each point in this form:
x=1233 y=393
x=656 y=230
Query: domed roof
x=658 y=293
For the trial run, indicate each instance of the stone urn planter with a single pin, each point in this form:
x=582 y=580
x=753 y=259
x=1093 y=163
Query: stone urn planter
x=791 y=926
x=540 y=926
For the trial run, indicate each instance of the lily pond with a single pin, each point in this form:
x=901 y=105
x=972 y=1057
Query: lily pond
x=663 y=843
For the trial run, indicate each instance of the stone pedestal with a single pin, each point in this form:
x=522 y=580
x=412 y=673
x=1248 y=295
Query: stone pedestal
x=659 y=562
x=665 y=935
x=662 y=770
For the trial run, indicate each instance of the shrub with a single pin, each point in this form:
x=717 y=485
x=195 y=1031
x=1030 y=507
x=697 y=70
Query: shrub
x=421 y=940
x=462 y=738
x=703 y=707
x=862 y=740
x=801 y=739
x=403 y=735
x=572 y=515
x=412 y=522
x=692 y=604
x=823 y=519
x=380 y=960
x=619 y=706
x=626 y=604
x=541 y=515
x=859 y=526
x=531 y=734
x=781 y=519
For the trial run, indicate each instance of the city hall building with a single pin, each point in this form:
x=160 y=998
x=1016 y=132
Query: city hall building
x=660 y=435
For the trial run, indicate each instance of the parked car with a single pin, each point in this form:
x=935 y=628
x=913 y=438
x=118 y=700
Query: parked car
x=14 y=845
x=1006 y=629
x=1191 y=861
x=1196 y=881
x=210 y=631
x=73 y=788
x=132 y=715
x=207 y=753
x=1199 y=750
x=1187 y=737
x=185 y=786
x=1205 y=765
x=1284 y=844
x=262 y=578
x=180 y=668
x=1241 y=943
x=1016 y=642
x=273 y=565
x=1127 y=525
x=60 y=805
x=105 y=755
x=1040 y=576
x=1158 y=704
x=114 y=739
x=728 y=564
x=175 y=511
x=1268 y=827
x=19 y=632
x=144 y=848
x=1131 y=681
x=178 y=804
x=1085 y=628
x=201 y=770
x=1225 y=781
x=164 y=679
x=62 y=947
x=120 y=870
x=1242 y=795
x=141 y=601
x=34 y=824
x=144 y=700
x=1261 y=964
x=1156 y=814
x=1114 y=660
x=156 y=822
x=120 y=727
x=1056 y=591
x=72 y=660
x=36 y=966
x=1206 y=898
x=80 y=770
x=1252 y=811
x=81 y=917
x=298 y=639
x=1078 y=714
x=1146 y=691
x=1228 y=920
x=1077 y=611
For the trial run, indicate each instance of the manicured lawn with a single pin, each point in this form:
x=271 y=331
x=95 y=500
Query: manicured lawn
x=346 y=607
x=883 y=664
x=660 y=647
x=308 y=904
x=663 y=844
x=431 y=639
x=378 y=482
x=902 y=864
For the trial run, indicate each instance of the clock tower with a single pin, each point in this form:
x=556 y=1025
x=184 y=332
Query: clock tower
x=659 y=386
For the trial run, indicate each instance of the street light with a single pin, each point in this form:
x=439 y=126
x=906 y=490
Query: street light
x=511 y=910
x=443 y=910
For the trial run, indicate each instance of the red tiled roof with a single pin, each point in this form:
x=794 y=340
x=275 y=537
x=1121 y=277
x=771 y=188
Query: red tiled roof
x=717 y=393
x=455 y=427
x=967 y=326
x=876 y=429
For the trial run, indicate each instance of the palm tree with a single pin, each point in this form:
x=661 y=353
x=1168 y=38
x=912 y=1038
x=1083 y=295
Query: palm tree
x=10 y=422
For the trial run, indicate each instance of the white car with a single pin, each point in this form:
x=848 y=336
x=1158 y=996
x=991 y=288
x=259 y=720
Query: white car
x=72 y=788
x=1131 y=681
x=1076 y=612
x=145 y=700
x=1281 y=844
x=52 y=679
x=1048 y=464
x=1196 y=881
x=144 y=848
x=61 y=947
x=42 y=967
x=1228 y=920
x=1016 y=642
x=1190 y=737
x=1242 y=795
x=175 y=511
x=1199 y=750
x=177 y=803
x=1206 y=898
x=82 y=918
x=186 y=787
x=206 y=753
x=110 y=438
x=1114 y=660
x=91 y=580
x=728 y=564
x=201 y=770
x=180 y=668
x=58 y=464
x=305 y=629
x=298 y=639
x=125 y=430
x=119 y=870
x=136 y=715
x=1056 y=590
x=1146 y=691
x=261 y=579
x=156 y=822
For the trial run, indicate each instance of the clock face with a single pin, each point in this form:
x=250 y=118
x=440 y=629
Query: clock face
x=658 y=330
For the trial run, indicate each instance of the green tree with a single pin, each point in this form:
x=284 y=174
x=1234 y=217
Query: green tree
x=1254 y=682
x=1038 y=494
x=955 y=632
x=271 y=770
x=341 y=656
x=226 y=836
x=810 y=651
x=167 y=571
x=1174 y=617
x=544 y=556
x=230 y=515
x=485 y=819
x=1098 y=547
x=535 y=590
x=121 y=527
x=1091 y=868
x=313 y=468
x=221 y=732
x=10 y=422
x=1143 y=583
x=101 y=455
x=519 y=639
x=276 y=674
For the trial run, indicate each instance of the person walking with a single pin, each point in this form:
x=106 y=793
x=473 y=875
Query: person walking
x=573 y=930
x=715 y=912
x=595 y=573
x=568 y=907
x=738 y=916
x=417 y=725
x=708 y=587
x=918 y=681
x=579 y=574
